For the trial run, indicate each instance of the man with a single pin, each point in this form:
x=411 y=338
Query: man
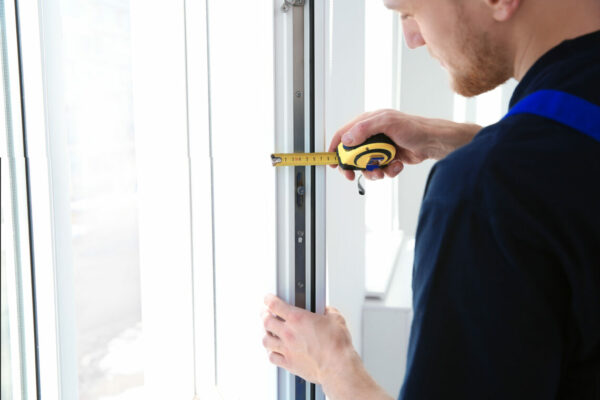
x=506 y=279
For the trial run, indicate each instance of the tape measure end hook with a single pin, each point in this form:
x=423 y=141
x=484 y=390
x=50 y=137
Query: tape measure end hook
x=275 y=160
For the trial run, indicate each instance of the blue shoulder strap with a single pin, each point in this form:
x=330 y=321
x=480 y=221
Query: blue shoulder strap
x=562 y=107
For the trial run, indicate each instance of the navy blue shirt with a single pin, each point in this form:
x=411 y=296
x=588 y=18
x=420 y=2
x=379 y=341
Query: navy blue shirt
x=506 y=281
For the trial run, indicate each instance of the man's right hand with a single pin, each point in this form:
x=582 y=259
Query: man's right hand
x=416 y=138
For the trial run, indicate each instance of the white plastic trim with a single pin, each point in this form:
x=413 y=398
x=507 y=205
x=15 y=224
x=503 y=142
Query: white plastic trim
x=16 y=245
x=58 y=378
x=165 y=230
x=285 y=176
x=198 y=119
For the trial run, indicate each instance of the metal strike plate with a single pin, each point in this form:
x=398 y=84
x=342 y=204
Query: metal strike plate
x=291 y=3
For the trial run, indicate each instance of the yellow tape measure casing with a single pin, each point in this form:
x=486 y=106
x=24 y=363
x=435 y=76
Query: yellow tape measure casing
x=377 y=151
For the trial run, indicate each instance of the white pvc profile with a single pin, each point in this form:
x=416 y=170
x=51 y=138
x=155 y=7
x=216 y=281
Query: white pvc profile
x=55 y=331
x=320 y=67
x=242 y=135
x=284 y=142
x=164 y=197
x=321 y=145
x=52 y=45
x=15 y=245
x=198 y=119
x=285 y=177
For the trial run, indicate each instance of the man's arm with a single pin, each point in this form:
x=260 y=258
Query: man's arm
x=417 y=138
x=319 y=349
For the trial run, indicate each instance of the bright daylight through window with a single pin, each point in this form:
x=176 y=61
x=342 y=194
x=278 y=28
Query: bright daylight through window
x=101 y=151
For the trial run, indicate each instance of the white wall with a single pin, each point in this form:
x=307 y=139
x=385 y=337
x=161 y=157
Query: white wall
x=425 y=91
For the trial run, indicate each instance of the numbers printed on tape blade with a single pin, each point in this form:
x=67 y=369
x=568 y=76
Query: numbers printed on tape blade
x=376 y=152
x=303 y=159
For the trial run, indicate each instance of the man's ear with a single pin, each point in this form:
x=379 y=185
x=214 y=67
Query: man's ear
x=503 y=10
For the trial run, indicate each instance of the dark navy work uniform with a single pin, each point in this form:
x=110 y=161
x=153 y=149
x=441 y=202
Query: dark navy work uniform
x=506 y=280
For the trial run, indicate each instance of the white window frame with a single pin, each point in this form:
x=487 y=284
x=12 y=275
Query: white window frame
x=40 y=36
x=16 y=245
x=189 y=288
x=164 y=196
x=55 y=367
x=198 y=99
x=287 y=18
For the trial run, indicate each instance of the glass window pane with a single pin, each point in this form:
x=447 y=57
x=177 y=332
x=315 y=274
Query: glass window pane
x=17 y=331
x=10 y=339
x=98 y=95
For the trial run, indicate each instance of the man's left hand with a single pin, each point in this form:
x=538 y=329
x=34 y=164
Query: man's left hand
x=309 y=345
x=317 y=348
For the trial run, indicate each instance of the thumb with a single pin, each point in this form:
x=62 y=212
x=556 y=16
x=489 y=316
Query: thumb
x=362 y=130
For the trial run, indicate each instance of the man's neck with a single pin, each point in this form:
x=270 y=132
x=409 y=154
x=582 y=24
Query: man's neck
x=544 y=28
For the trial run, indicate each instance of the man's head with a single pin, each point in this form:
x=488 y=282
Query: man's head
x=482 y=43
x=466 y=36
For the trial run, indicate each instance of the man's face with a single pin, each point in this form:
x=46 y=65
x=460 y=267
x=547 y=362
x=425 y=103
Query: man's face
x=458 y=35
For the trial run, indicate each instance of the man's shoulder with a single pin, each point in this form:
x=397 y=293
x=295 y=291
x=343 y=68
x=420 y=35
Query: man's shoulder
x=523 y=155
x=463 y=173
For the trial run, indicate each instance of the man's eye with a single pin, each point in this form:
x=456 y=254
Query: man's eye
x=403 y=17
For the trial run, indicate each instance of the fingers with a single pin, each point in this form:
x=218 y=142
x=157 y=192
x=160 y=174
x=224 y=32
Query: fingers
x=393 y=169
x=271 y=323
x=357 y=131
x=277 y=306
x=373 y=175
x=347 y=173
x=337 y=137
x=408 y=157
x=363 y=130
x=273 y=343
x=277 y=359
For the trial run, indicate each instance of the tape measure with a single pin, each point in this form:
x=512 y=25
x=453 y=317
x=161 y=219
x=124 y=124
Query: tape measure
x=376 y=152
x=303 y=159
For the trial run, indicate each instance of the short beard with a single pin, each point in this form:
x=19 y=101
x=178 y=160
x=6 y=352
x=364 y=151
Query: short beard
x=486 y=64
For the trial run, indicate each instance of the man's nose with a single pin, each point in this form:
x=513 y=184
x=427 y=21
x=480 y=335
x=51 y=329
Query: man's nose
x=412 y=34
